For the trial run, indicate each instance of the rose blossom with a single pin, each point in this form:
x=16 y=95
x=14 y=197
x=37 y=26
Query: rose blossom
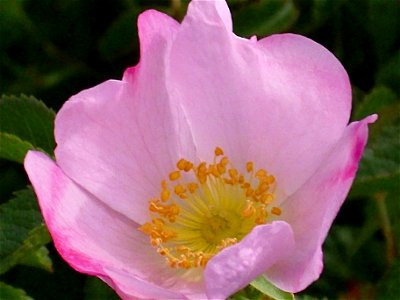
x=215 y=160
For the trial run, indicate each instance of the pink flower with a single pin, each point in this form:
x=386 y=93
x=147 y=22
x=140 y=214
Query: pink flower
x=213 y=161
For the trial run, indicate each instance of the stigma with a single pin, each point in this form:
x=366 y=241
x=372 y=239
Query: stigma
x=203 y=208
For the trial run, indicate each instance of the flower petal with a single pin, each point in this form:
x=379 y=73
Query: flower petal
x=311 y=210
x=121 y=138
x=281 y=102
x=93 y=238
x=219 y=11
x=129 y=287
x=236 y=266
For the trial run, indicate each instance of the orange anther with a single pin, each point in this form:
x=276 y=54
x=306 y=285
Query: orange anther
x=188 y=166
x=192 y=187
x=163 y=184
x=233 y=173
x=276 y=211
x=179 y=189
x=165 y=194
x=174 y=175
x=261 y=173
x=224 y=161
x=181 y=164
x=221 y=169
x=218 y=151
x=267 y=198
x=270 y=179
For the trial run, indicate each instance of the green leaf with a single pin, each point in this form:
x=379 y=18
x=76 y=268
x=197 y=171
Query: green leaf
x=28 y=119
x=10 y=180
x=21 y=229
x=38 y=259
x=376 y=101
x=263 y=18
x=316 y=13
x=389 y=73
x=8 y=292
x=389 y=287
x=248 y=293
x=380 y=166
x=95 y=289
x=384 y=31
x=13 y=148
x=270 y=290
x=121 y=37
x=12 y=20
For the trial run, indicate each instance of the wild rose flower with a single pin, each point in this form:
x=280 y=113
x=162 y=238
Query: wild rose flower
x=215 y=160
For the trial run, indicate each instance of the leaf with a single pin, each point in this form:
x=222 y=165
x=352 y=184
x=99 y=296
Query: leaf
x=13 y=148
x=389 y=287
x=121 y=37
x=248 y=293
x=316 y=13
x=12 y=20
x=95 y=289
x=389 y=74
x=270 y=290
x=8 y=292
x=10 y=180
x=380 y=166
x=38 y=259
x=264 y=17
x=384 y=31
x=28 y=119
x=21 y=229
x=377 y=100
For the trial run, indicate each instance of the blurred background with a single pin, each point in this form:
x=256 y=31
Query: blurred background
x=52 y=49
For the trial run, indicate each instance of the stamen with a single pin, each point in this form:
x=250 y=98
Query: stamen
x=211 y=207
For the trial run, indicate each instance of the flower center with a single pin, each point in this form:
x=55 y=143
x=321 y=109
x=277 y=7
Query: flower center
x=204 y=208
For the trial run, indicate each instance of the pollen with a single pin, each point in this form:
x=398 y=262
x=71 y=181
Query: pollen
x=204 y=208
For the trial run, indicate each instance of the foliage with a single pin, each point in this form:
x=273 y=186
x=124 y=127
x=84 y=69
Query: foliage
x=55 y=48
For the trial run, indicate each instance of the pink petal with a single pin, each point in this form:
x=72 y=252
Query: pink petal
x=121 y=138
x=311 y=210
x=219 y=11
x=236 y=266
x=94 y=239
x=129 y=287
x=281 y=102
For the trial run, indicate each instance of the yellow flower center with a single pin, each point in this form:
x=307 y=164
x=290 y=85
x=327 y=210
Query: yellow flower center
x=204 y=208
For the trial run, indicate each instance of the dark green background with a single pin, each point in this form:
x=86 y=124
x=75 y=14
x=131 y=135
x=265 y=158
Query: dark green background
x=53 y=49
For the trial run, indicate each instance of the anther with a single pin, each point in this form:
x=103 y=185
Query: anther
x=218 y=151
x=261 y=173
x=249 y=166
x=174 y=175
x=192 y=187
x=179 y=189
x=181 y=164
x=224 y=161
x=276 y=211
x=165 y=194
